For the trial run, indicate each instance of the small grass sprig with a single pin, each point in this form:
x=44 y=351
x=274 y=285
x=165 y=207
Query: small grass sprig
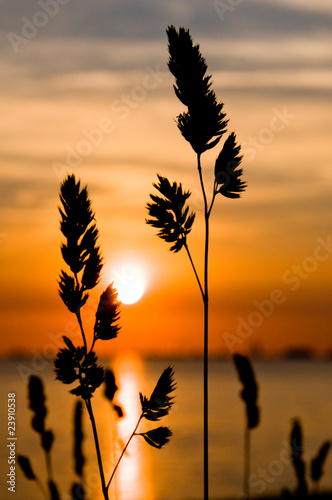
x=296 y=442
x=317 y=463
x=153 y=409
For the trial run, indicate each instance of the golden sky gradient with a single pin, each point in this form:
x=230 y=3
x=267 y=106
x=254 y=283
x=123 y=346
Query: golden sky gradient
x=101 y=105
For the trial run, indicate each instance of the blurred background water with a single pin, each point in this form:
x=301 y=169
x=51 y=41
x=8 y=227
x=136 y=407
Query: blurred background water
x=288 y=389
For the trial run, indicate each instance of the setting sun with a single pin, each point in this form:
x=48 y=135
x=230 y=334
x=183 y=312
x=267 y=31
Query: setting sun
x=129 y=283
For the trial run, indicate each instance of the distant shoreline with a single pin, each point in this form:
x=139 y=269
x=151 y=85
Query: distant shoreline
x=286 y=356
x=318 y=496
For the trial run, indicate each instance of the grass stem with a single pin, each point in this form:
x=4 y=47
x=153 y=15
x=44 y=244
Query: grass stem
x=124 y=451
x=78 y=315
x=194 y=269
x=95 y=436
x=246 y=471
x=206 y=337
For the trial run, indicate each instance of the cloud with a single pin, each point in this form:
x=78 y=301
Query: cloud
x=148 y=20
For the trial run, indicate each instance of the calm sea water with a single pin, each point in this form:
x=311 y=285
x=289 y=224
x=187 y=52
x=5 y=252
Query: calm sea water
x=288 y=389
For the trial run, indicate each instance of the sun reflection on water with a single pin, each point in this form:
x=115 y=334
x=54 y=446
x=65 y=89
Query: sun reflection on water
x=132 y=479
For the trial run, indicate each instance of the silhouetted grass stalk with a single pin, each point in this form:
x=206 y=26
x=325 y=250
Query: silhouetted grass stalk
x=82 y=255
x=202 y=124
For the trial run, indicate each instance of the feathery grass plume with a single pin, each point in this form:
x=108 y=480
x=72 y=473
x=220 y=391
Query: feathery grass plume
x=36 y=403
x=71 y=292
x=249 y=393
x=25 y=466
x=47 y=439
x=72 y=364
x=160 y=401
x=317 y=463
x=110 y=385
x=91 y=377
x=204 y=123
x=67 y=364
x=170 y=214
x=296 y=442
x=80 y=252
x=110 y=390
x=227 y=173
x=107 y=315
x=158 y=437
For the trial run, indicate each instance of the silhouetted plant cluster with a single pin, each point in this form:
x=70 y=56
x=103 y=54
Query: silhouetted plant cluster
x=202 y=124
x=79 y=364
x=37 y=399
x=300 y=466
x=249 y=394
x=109 y=392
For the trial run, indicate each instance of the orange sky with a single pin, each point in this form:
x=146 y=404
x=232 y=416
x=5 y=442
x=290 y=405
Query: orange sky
x=269 y=249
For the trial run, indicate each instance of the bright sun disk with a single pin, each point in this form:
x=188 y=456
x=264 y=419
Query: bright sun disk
x=129 y=283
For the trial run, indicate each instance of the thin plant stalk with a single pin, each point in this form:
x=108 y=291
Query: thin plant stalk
x=41 y=488
x=206 y=337
x=48 y=465
x=49 y=470
x=246 y=472
x=124 y=451
x=194 y=269
x=205 y=296
x=79 y=319
x=99 y=459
